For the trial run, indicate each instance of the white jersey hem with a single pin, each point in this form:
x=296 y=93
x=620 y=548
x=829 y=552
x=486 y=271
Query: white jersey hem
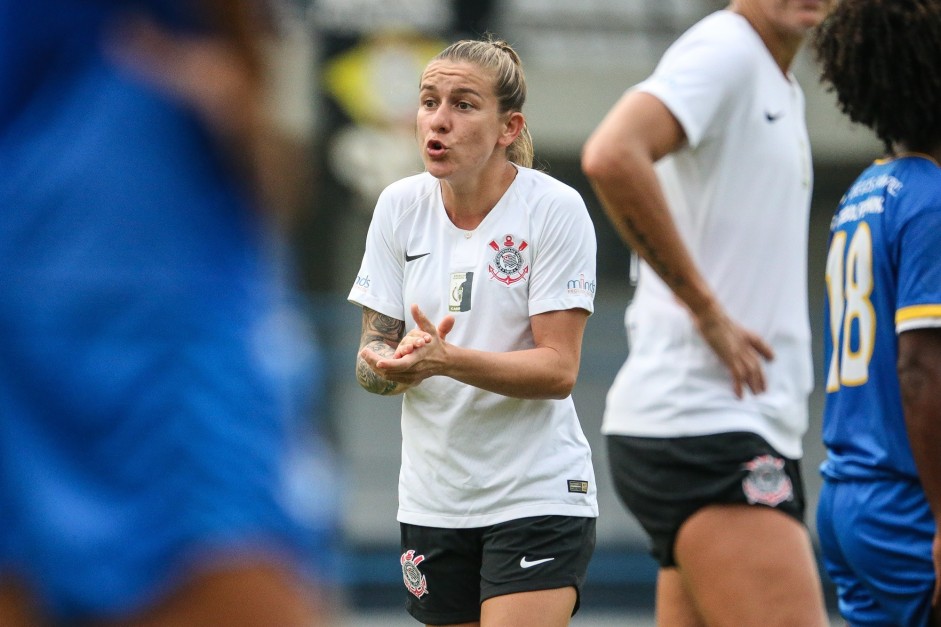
x=445 y=521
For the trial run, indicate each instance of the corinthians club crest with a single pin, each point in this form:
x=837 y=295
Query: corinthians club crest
x=508 y=265
x=766 y=482
x=414 y=579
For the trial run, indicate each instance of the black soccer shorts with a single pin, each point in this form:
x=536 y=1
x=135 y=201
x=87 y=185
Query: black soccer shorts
x=448 y=573
x=664 y=481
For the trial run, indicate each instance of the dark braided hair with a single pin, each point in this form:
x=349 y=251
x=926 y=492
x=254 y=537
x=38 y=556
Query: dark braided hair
x=883 y=60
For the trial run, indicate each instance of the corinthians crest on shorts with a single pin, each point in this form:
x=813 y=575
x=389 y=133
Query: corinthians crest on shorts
x=414 y=579
x=509 y=265
x=766 y=482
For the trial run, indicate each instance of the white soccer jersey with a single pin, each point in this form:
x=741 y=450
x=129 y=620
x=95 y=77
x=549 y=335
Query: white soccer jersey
x=473 y=458
x=740 y=194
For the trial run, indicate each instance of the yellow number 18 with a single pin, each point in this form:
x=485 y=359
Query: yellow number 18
x=849 y=285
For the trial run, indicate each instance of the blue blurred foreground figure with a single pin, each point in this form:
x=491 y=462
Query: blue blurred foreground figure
x=150 y=353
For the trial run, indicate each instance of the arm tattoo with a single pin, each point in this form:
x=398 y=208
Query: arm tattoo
x=652 y=256
x=371 y=381
x=381 y=334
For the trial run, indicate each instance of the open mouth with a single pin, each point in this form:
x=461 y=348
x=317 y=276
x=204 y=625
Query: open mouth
x=435 y=148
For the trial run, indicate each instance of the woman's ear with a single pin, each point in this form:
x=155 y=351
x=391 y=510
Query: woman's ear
x=513 y=126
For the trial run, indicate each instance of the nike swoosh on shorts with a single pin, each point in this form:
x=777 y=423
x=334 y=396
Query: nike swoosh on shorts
x=525 y=563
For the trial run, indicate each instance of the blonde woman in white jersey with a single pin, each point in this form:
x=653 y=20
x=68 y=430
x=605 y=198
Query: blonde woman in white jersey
x=705 y=420
x=495 y=263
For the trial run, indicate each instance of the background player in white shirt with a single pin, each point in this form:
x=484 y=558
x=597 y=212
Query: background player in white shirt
x=709 y=466
x=497 y=498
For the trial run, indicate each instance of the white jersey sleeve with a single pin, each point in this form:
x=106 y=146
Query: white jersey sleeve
x=379 y=281
x=564 y=265
x=699 y=76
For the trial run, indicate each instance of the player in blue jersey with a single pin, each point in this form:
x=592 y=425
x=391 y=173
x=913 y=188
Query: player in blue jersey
x=881 y=499
x=151 y=355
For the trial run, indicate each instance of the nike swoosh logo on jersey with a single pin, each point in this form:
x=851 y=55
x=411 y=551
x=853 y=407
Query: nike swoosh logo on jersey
x=772 y=117
x=409 y=257
x=525 y=563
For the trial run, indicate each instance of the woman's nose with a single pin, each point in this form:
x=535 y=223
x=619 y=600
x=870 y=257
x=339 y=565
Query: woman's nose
x=440 y=119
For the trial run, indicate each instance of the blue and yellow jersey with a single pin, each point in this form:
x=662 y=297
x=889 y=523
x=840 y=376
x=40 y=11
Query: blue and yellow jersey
x=883 y=277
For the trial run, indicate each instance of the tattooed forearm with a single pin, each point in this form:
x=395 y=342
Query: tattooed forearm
x=650 y=253
x=387 y=327
x=380 y=328
x=380 y=334
x=368 y=378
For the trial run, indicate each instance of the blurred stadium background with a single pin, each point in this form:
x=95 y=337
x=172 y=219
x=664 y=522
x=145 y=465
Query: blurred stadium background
x=346 y=89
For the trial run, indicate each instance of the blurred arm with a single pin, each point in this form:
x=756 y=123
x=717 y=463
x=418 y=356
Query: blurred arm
x=919 y=369
x=223 y=76
x=618 y=160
